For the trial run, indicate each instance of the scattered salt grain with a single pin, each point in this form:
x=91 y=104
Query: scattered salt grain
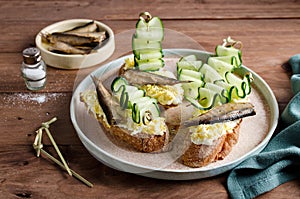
x=37 y=98
x=34 y=98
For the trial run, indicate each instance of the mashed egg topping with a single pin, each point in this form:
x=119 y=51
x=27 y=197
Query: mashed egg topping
x=129 y=63
x=207 y=133
x=165 y=94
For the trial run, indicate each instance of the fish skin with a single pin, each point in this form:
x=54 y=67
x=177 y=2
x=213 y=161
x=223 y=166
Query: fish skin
x=71 y=39
x=138 y=77
x=96 y=36
x=105 y=100
x=223 y=113
x=66 y=48
x=88 y=27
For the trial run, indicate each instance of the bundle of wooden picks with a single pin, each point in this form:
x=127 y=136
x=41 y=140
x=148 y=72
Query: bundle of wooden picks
x=38 y=146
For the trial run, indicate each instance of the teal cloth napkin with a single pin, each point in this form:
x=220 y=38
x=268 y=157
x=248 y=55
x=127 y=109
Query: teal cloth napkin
x=279 y=162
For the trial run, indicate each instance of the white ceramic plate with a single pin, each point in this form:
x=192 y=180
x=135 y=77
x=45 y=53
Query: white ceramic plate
x=77 y=61
x=255 y=131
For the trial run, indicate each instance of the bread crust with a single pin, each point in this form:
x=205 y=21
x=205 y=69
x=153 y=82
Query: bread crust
x=201 y=155
x=142 y=142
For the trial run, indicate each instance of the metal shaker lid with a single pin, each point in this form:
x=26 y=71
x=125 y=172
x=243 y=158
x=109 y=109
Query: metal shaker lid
x=31 y=55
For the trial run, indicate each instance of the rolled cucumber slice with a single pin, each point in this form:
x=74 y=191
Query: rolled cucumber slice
x=145 y=49
x=230 y=60
x=148 y=54
x=138 y=113
x=117 y=83
x=142 y=101
x=136 y=94
x=222 y=92
x=191 y=89
x=208 y=98
x=205 y=103
x=141 y=44
x=133 y=96
x=191 y=65
x=241 y=87
x=146 y=43
x=229 y=51
x=183 y=77
x=209 y=73
x=150 y=30
x=124 y=100
x=220 y=66
x=188 y=58
x=127 y=93
x=190 y=73
x=149 y=64
x=141 y=106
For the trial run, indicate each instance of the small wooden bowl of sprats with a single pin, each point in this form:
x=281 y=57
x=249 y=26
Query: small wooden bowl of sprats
x=75 y=43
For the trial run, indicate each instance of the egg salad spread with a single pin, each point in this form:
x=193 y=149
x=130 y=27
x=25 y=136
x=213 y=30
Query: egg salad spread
x=207 y=133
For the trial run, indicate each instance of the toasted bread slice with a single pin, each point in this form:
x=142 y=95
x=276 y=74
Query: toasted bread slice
x=201 y=155
x=142 y=142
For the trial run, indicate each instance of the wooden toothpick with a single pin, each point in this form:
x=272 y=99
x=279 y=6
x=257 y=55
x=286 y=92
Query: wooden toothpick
x=38 y=146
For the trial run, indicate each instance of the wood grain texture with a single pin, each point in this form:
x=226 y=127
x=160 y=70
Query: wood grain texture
x=269 y=30
x=166 y=9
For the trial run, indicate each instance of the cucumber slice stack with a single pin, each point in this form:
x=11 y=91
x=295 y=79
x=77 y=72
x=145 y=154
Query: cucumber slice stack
x=146 y=43
x=213 y=82
x=143 y=108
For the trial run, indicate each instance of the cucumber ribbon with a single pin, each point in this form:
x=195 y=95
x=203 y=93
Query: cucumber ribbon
x=143 y=108
x=215 y=82
x=146 y=43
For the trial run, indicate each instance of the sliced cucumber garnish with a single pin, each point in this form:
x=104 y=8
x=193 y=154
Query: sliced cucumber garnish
x=191 y=65
x=150 y=29
x=143 y=106
x=146 y=43
x=210 y=74
x=230 y=60
x=143 y=55
x=188 y=58
x=190 y=73
x=191 y=89
x=130 y=97
x=117 y=83
x=240 y=88
x=219 y=90
x=183 y=77
x=149 y=65
x=220 y=66
x=218 y=83
x=138 y=44
x=142 y=101
x=238 y=83
x=229 y=51
x=136 y=94
x=208 y=98
x=124 y=100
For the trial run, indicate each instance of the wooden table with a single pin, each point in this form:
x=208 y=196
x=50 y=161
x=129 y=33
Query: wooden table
x=269 y=31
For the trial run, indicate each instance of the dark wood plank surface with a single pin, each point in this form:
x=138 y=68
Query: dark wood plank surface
x=269 y=30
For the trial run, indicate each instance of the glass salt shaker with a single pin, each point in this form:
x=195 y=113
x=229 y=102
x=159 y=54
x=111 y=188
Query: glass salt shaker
x=33 y=69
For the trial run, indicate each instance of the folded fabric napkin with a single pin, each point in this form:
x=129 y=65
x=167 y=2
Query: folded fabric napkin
x=279 y=162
